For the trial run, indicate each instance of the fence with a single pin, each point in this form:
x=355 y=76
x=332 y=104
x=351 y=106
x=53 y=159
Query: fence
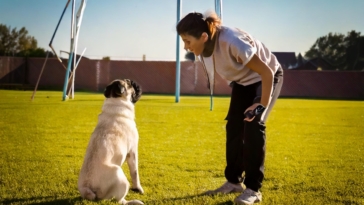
x=159 y=77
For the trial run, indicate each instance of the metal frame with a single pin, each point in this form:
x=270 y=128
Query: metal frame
x=178 y=63
x=75 y=28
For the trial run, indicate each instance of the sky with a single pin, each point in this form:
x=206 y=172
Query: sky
x=129 y=29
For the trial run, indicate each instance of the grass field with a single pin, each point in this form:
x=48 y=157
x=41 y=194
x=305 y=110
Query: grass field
x=315 y=149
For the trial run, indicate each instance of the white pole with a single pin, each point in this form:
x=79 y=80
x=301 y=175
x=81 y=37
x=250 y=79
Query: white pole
x=74 y=70
x=80 y=58
x=77 y=28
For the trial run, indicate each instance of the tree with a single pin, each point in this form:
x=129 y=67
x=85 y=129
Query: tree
x=15 y=42
x=342 y=52
x=5 y=40
x=355 y=50
x=300 y=59
x=106 y=58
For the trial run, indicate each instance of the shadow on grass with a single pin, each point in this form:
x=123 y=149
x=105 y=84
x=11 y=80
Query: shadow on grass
x=226 y=203
x=70 y=201
x=188 y=198
x=44 y=200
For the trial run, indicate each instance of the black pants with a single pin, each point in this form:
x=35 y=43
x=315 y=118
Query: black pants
x=245 y=141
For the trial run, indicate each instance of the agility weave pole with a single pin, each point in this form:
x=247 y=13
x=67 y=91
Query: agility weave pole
x=74 y=33
x=77 y=27
x=54 y=52
x=178 y=63
x=70 y=57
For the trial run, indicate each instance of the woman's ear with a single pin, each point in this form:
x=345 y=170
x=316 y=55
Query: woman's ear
x=205 y=37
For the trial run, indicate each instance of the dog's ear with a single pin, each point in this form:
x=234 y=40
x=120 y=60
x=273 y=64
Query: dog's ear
x=137 y=92
x=114 y=89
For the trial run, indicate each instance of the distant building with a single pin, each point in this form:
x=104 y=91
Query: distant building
x=314 y=64
x=287 y=60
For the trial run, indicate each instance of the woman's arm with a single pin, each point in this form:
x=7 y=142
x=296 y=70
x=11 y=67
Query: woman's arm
x=266 y=74
x=245 y=53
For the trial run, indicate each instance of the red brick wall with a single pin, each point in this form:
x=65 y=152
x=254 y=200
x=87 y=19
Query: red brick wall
x=323 y=84
x=53 y=73
x=159 y=77
x=12 y=70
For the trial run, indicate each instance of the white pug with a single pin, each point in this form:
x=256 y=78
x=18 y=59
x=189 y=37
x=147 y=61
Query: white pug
x=114 y=140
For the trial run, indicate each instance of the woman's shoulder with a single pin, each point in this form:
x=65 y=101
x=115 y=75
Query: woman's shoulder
x=235 y=39
x=226 y=31
x=231 y=34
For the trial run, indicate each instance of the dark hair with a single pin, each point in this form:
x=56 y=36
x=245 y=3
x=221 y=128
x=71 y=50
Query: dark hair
x=194 y=24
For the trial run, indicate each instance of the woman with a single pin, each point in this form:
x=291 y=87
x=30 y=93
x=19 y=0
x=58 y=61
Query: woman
x=256 y=79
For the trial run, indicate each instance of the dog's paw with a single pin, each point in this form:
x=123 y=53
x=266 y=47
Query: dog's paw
x=138 y=189
x=131 y=202
x=134 y=202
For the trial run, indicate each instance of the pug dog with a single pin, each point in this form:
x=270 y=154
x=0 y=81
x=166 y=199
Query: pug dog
x=114 y=141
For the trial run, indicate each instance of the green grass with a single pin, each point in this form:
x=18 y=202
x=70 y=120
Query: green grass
x=315 y=149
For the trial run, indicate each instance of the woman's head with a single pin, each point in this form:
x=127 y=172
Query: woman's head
x=195 y=30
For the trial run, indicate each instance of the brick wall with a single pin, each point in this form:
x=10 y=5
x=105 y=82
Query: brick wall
x=160 y=77
x=13 y=70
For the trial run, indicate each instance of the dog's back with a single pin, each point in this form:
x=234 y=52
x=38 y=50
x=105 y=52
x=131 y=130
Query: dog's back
x=107 y=146
x=114 y=137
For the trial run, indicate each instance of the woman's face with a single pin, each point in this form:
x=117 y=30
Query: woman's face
x=195 y=45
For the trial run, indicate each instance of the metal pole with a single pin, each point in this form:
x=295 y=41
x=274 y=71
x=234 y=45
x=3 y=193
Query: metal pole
x=55 y=31
x=221 y=10
x=71 y=54
x=73 y=74
x=77 y=31
x=83 y=52
x=41 y=72
x=178 y=63
x=218 y=8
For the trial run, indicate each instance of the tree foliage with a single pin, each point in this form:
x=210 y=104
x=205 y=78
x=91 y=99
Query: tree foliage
x=342 y=52
x=15 y=42
x=106 y=58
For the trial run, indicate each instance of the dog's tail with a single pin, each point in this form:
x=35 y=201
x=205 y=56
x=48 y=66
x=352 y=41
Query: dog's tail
x=87 y=193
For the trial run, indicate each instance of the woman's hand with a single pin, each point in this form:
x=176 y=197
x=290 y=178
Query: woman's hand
x=250 y=109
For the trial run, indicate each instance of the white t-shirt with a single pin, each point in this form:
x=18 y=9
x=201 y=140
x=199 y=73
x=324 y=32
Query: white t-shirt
x=233 y=44
x=210 y=71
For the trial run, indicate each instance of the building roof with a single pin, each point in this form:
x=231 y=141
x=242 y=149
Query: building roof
x=286 y=59
x=315 y=64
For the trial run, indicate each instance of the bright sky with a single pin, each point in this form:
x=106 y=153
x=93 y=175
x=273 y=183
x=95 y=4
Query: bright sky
x=127 y=29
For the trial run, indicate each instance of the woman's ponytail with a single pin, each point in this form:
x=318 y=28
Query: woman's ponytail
x=195 y=24
x=213 y=23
